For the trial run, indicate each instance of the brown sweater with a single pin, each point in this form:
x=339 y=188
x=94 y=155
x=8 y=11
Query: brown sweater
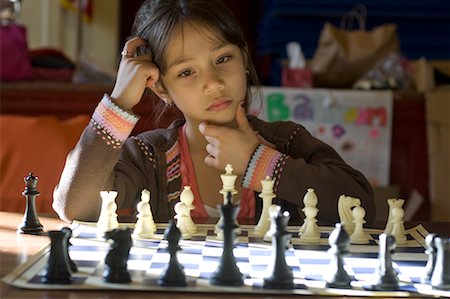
x=141 y=163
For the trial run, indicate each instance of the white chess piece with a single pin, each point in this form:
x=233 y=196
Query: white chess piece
x=187 y=197
x=345 y=206
x=228 y=182
x=181 y=216
x=393 y=203
x=108 y=216
x=272 y=211
x=309 y=200
x=311 y=233
x=359 y=236
x=398 y=228
x=267 y=196
x=145 y=225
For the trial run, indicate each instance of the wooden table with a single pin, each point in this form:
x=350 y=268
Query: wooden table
x=17 y=248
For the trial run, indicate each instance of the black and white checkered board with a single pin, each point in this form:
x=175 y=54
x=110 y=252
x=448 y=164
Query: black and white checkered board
x=200 y=257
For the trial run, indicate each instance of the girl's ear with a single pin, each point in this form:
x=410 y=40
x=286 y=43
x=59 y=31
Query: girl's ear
x=160 y=91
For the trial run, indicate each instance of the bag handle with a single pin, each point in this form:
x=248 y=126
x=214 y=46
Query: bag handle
x=358 y=13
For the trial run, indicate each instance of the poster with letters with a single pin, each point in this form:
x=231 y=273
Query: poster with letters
x=357 y=124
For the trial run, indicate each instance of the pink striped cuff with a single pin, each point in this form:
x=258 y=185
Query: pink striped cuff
x=117 y=122
x=264 y=162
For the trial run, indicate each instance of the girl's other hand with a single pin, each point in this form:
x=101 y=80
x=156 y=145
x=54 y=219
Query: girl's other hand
x=134 y=75
x=230 y=146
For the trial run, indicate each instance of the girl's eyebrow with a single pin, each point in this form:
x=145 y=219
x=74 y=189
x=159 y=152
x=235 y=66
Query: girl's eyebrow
x=181 y=60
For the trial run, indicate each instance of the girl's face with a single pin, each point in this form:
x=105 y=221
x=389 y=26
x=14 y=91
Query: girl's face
x=205 y=77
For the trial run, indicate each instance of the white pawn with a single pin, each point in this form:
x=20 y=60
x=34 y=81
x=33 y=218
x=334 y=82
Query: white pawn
x=187 y=197
x=345 y=206
x=393 y=203
x=108 y=217
x=181 y=216
x=309 y=200
x=398 y=228
x=145 y=225
x=267 y=196
x=272 y=211
x=359 y=236
x=312 y=232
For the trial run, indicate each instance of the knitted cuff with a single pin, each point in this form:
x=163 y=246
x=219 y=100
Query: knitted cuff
x=264 y=162
x=112 y=122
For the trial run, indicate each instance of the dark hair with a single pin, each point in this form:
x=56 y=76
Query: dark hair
x=156 y=20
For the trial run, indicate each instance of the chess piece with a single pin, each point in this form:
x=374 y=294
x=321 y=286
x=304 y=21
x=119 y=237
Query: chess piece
x=68 y=232
x=58 y=268
x=441 y=275
x=228 y=182
x=227 y=272
x=431 y=251
x=173 y=274
x=398 y=228
x=359 y=236
x=339 y=243
x=145 y=225
x=273 y=211
x=267 y=196
x=345 y=206
x=117 y=258
x=311 y=233
x=182 y=211
x=108 y=217
x=393 y=203
x=280 y=274
x=30 y=223
x=309 y=200
x=387 y=275
x=187 y=197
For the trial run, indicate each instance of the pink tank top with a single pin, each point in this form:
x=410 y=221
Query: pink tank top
x=247 y=201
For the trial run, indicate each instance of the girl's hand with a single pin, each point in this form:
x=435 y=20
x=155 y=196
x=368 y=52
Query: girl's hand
x=230 y=146
x=134 y=75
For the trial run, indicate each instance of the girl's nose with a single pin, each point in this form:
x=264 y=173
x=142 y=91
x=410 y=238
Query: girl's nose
x=212 y=83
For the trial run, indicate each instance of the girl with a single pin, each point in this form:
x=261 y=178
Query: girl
x=197 y=60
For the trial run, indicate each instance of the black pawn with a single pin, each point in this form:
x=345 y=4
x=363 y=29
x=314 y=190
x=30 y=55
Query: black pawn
x=227 y=272
x=387 y=275
x=30 y=223
x=68 y=232
x=117 y=258
x=280 y=274
x=441 y=274
x=58 y=268
x=431 y=252
x=173 y=274
x=339 y=242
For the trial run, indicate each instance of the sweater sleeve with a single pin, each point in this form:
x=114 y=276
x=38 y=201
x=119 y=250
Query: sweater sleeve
x=90 y=166
x=300 y=161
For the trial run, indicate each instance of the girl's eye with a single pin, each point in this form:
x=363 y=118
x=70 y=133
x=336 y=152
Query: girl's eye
x=223 y=59
x=186 y=73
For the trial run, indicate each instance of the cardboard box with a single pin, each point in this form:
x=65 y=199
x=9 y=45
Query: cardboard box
x=438 y=131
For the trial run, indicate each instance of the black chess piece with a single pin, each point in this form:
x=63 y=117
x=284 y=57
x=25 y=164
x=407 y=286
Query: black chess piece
x=431 y=262
x=339 y=242
x=280 y=274
x=30 y=223
x=73 y=266
x=441 y=275
x=387 y=275
x=173 y=274
x=227 y=272
x=117 y=258
x=58 y=268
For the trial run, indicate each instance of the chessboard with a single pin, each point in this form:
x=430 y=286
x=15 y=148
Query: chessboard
x=200 y=256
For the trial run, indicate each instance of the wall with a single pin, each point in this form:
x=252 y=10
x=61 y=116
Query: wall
x=49 y=25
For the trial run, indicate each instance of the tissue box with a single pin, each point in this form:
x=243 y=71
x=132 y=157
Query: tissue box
x=301 y=77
